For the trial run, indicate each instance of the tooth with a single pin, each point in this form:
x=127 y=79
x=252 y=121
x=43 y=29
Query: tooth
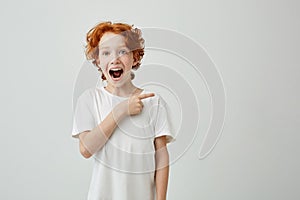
x=116 y=69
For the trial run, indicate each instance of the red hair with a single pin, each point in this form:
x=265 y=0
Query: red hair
x=133 y=40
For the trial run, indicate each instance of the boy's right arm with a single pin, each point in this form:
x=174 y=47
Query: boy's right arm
x=92 y=141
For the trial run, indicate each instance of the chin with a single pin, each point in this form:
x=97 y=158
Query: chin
x=120 y=82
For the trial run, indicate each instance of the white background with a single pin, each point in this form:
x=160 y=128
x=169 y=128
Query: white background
x=255 y=45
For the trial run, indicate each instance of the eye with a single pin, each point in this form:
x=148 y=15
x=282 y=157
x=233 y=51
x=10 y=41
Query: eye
x=105 y=53
x=123 y=51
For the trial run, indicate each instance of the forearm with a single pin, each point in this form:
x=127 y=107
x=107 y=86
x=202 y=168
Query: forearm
x=161 y=173
x=95 y=139
x=92 y=141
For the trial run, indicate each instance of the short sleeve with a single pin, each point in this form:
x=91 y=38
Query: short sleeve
x=162 y=126
x=83 y=119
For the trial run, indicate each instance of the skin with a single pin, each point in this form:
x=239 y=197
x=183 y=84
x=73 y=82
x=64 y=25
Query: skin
x=114 y=53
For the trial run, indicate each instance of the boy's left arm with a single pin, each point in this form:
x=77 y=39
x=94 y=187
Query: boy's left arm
x=162 y=167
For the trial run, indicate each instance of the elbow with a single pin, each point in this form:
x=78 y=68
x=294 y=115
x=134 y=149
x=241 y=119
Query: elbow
x=83 y=151
x=85 y=154
x=162 y=158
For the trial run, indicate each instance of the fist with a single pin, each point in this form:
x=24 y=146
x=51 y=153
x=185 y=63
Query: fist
x=135 y=104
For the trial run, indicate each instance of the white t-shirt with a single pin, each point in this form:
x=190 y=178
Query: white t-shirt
x=124 y=167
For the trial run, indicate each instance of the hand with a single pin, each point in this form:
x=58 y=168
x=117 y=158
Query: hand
x=134 y=104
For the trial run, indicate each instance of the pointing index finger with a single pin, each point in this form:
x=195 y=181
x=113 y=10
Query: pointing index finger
x=144 y=96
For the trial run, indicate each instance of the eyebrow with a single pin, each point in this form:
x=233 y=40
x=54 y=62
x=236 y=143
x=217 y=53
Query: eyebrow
x=103 y=47
x=107 y=47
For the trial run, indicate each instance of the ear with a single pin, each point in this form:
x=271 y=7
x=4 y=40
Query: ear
x=134 y=63
x=134 y=60
x=97 y=62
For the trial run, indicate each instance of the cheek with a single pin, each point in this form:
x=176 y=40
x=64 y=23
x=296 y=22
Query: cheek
x=102 y=63
x=128 y=61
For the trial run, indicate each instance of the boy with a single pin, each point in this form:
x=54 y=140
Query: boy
x=122 y=126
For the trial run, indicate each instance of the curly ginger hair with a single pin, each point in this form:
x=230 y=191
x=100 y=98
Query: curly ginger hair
x=133 y=40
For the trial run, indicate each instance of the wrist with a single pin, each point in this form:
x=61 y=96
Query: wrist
x=120 y=111
x=161 y=198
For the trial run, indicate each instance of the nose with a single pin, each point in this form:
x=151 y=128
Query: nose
x=115 y=58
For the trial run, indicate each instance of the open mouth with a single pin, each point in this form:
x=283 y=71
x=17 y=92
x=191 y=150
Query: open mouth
x=116 y=73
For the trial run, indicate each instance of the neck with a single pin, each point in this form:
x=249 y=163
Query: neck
x=124 y=90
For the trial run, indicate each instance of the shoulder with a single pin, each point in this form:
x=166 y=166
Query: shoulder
x=88 y=95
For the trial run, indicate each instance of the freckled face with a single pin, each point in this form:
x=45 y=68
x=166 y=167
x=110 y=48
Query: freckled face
x=116 y=60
